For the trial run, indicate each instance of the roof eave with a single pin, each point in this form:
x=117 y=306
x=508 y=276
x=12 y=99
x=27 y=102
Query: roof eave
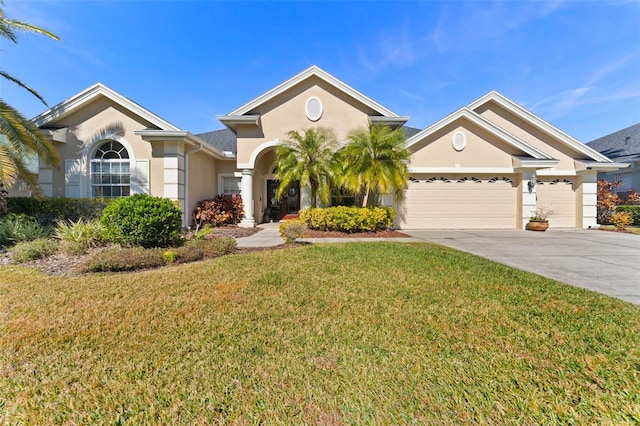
x=232 y=121
x=180 y=135
x=66 y=107
x=538 y=122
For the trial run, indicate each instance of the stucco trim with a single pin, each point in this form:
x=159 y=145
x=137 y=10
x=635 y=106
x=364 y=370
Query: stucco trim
x=538 y=122
x=88 y=95
x=180 y=135
x=460 y=170
x=483 y=123
x=254 y=154
x=309 y=72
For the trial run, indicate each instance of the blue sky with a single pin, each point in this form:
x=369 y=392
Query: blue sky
x=575 y=64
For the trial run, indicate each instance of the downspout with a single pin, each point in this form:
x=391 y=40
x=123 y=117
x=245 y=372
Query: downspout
x=186 y=212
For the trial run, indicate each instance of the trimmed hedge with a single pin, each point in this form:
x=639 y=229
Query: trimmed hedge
x=49 y=210
x=634 y=211
x=349 y=219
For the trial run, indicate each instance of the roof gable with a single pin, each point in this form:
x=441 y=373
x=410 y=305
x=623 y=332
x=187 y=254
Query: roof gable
x=87 y=96
x=538 y=123
x=483 y=123
x=244 y=113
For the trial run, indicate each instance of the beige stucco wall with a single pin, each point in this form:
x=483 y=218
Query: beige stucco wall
x=202 y=179
x=483 y=150
x=85 y=123
x=531 y=135
x=286 y=112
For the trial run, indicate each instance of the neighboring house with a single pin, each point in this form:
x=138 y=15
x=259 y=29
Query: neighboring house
x=621 y=146
x=487 y=165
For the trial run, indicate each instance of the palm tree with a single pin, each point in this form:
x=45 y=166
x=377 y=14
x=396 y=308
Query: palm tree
x=20 y=139
x=308 y=158
x=375 y=162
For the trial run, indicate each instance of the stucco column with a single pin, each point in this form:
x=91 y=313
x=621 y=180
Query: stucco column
x=528 y=195
x=589 y=200
x=248 y=220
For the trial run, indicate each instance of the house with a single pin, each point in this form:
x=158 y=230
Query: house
x=486 y=165
x=621 y=146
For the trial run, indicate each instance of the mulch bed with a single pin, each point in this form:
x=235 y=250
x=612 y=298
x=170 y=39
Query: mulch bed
x=312 y=233
x=62 y=264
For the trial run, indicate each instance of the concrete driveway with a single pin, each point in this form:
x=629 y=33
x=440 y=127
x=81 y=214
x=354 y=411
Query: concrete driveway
x=606 y=262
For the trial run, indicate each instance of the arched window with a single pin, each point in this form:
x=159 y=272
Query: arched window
x=110 y=172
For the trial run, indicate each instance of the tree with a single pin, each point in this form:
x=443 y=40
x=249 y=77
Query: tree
x=375 y=162
x=20 y=139
x=308 y=158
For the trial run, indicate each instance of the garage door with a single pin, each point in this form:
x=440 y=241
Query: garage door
x=559 y=195
x=457 y=202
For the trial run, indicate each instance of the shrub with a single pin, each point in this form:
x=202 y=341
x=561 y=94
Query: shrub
x=32 y=250
x=195 y=250
x=134 y=258
x=170 y=256
x=634 y=211
x=291 y=230
x=621 y=220
x=123 y=259
x=218 y=211
x=349 y=219
x=49 y=210
x=17 y=228
x=142 y=220
x=202 y=233
x=76 y=237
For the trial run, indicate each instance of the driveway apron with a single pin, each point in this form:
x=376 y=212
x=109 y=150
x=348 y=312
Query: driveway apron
x=606 y=262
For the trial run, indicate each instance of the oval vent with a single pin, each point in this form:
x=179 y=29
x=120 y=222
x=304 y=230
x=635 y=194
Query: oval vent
x=313 y=108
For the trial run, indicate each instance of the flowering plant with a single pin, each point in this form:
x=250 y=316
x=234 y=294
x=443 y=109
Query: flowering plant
x=541 y=214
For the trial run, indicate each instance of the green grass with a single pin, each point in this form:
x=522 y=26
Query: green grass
x=355 y=333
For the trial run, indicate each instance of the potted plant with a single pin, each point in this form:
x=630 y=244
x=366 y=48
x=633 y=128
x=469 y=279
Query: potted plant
x=538 y=220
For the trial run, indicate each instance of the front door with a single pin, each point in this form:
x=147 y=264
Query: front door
x=289 y=203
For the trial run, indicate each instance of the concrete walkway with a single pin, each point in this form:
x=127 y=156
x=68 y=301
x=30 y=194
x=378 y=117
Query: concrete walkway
x=606 y=262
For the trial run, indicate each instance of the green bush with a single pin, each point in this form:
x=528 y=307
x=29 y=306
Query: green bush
x=634 y=211
x=291 y=230
x=32 y=250
x=349 y=219
x=49 y=210
x=17 y=228
x=77 y=237
x=142 y=220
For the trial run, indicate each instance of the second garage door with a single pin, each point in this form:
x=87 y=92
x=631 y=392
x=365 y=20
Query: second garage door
x=558 y=195
x=459 y=202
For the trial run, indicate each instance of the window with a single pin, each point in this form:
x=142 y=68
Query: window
x=342 y=197
x=110 y=171
x=231 y=185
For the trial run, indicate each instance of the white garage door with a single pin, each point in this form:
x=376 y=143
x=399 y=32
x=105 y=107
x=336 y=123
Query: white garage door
x=559 y=195
x=457 y=202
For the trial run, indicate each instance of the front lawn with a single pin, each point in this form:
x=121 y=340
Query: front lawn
x=355 y=333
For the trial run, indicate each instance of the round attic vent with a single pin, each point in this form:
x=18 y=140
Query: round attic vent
x=313 y=108
x=459 y=141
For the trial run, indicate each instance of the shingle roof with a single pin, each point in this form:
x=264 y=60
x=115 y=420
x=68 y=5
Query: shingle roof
x=410 y=131
x=622 y=146
x=225 y=139
x=222 y=140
